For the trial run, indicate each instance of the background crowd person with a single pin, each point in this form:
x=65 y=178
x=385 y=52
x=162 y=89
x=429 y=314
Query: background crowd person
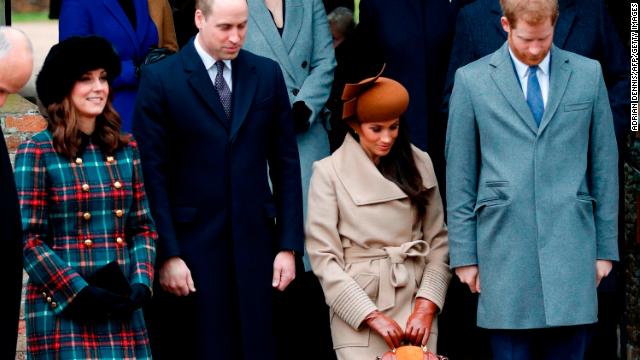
x=296 y=35
x=16 y=63
x=342 y=30
x=532 y=216
x=89 y=240
x=128 y=26
x=376 y=235
x=161 y=13
x=585 y=28
x=215 y=130
x=413 y=38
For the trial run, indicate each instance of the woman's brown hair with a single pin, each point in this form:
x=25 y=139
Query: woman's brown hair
x=63 y=125
x=399 y=167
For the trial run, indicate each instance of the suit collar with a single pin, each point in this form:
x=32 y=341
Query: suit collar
x=360 y=177
x=505 y=79
x=293 y=15
x=560 y=73
x=141 y=20
x=281 y=45
x=245 y=82
x=198 y=78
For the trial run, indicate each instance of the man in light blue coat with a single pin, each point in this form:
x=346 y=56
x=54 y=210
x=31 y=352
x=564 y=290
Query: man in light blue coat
x=532 y=188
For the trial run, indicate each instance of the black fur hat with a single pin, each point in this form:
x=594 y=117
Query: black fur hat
x=68 y=60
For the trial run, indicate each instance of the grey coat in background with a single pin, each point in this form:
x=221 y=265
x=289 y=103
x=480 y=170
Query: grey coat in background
x=306 y=57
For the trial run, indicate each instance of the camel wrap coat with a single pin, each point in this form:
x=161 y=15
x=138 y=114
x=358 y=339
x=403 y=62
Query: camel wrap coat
x=369 y=249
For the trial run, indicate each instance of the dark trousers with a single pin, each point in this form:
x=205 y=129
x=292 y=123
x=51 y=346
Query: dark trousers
x=561 y=343
x=301 y=319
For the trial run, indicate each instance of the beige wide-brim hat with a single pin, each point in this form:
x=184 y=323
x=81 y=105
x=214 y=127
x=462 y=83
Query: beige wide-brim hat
x=374 y=99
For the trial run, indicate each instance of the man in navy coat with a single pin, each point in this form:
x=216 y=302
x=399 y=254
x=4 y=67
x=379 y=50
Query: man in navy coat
x=214 y=126
x=583 y=27
x=16 y=63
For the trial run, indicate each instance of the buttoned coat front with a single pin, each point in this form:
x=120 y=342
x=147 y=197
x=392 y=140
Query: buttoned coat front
x=369 y=249
x=306 y=56
x=208 y=184
x=78 y=216
x=533 y=207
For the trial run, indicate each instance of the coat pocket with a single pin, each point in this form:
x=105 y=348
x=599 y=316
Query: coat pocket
x=343 y=335
x=369 y=282
x=578 y=106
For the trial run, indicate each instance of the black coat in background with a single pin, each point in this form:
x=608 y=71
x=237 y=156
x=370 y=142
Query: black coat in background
x=11 y=264
x=583 y=27
x=413 y=37
x=207 y=182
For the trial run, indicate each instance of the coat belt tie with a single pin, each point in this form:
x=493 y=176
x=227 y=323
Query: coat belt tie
x=393 y=272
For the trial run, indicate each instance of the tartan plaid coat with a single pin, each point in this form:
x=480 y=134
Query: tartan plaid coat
x=77 y=216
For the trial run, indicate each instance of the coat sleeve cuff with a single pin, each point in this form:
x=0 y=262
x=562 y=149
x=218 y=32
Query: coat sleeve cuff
x=62 y=297
x=353 y=305
x=435 y=282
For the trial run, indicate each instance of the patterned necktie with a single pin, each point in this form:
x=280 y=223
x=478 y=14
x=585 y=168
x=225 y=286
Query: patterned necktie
x=223 y=89
x=534 y=95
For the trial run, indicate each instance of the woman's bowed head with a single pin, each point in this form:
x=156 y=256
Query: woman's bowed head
x=74 y=86
x=372 y=109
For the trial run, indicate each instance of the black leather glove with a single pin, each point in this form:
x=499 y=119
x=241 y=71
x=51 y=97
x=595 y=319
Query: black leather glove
x=94 y=302
x=301 y=114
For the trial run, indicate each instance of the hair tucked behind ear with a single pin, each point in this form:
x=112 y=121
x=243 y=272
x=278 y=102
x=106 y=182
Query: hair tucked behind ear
x=63 y=124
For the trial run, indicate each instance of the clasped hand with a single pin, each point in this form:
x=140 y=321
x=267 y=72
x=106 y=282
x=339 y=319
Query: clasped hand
x=418 y=325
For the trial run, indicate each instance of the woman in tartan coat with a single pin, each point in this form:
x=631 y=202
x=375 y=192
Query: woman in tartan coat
x=83 y=207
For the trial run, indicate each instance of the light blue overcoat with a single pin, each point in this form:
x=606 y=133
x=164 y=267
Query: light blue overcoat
x=533 y=206
x=306 y=57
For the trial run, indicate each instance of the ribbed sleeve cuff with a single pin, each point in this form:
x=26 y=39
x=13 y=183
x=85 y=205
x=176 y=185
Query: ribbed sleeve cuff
x=434 y=285
x=353 y=305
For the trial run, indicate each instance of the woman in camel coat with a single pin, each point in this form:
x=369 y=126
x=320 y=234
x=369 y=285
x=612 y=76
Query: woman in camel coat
x=376 y=236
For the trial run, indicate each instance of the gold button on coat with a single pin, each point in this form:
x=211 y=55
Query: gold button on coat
x=119 y=240
x=85 y=187
x=49 y=300
x=78 y=161
x=117 y=185
x=44 y=294
x=86 y=216
x=88 y=243
x=109 y=158
x=54 y=305
x=119 y=213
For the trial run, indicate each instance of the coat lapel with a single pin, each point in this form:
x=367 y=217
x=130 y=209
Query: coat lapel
x=142 y=18
x=505 y=78
x=244 y=83
x=293 y=15
x=199 y=80
x=563 y=25
x=117 y=12
x=360 y=177
x=260 y=14
x=559 y=74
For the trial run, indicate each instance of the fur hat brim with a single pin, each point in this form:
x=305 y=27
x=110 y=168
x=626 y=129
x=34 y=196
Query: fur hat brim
x=68 y=60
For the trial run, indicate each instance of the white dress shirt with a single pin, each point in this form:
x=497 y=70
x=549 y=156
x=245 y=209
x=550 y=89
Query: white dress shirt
x=209 y=63
x=543 y=75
